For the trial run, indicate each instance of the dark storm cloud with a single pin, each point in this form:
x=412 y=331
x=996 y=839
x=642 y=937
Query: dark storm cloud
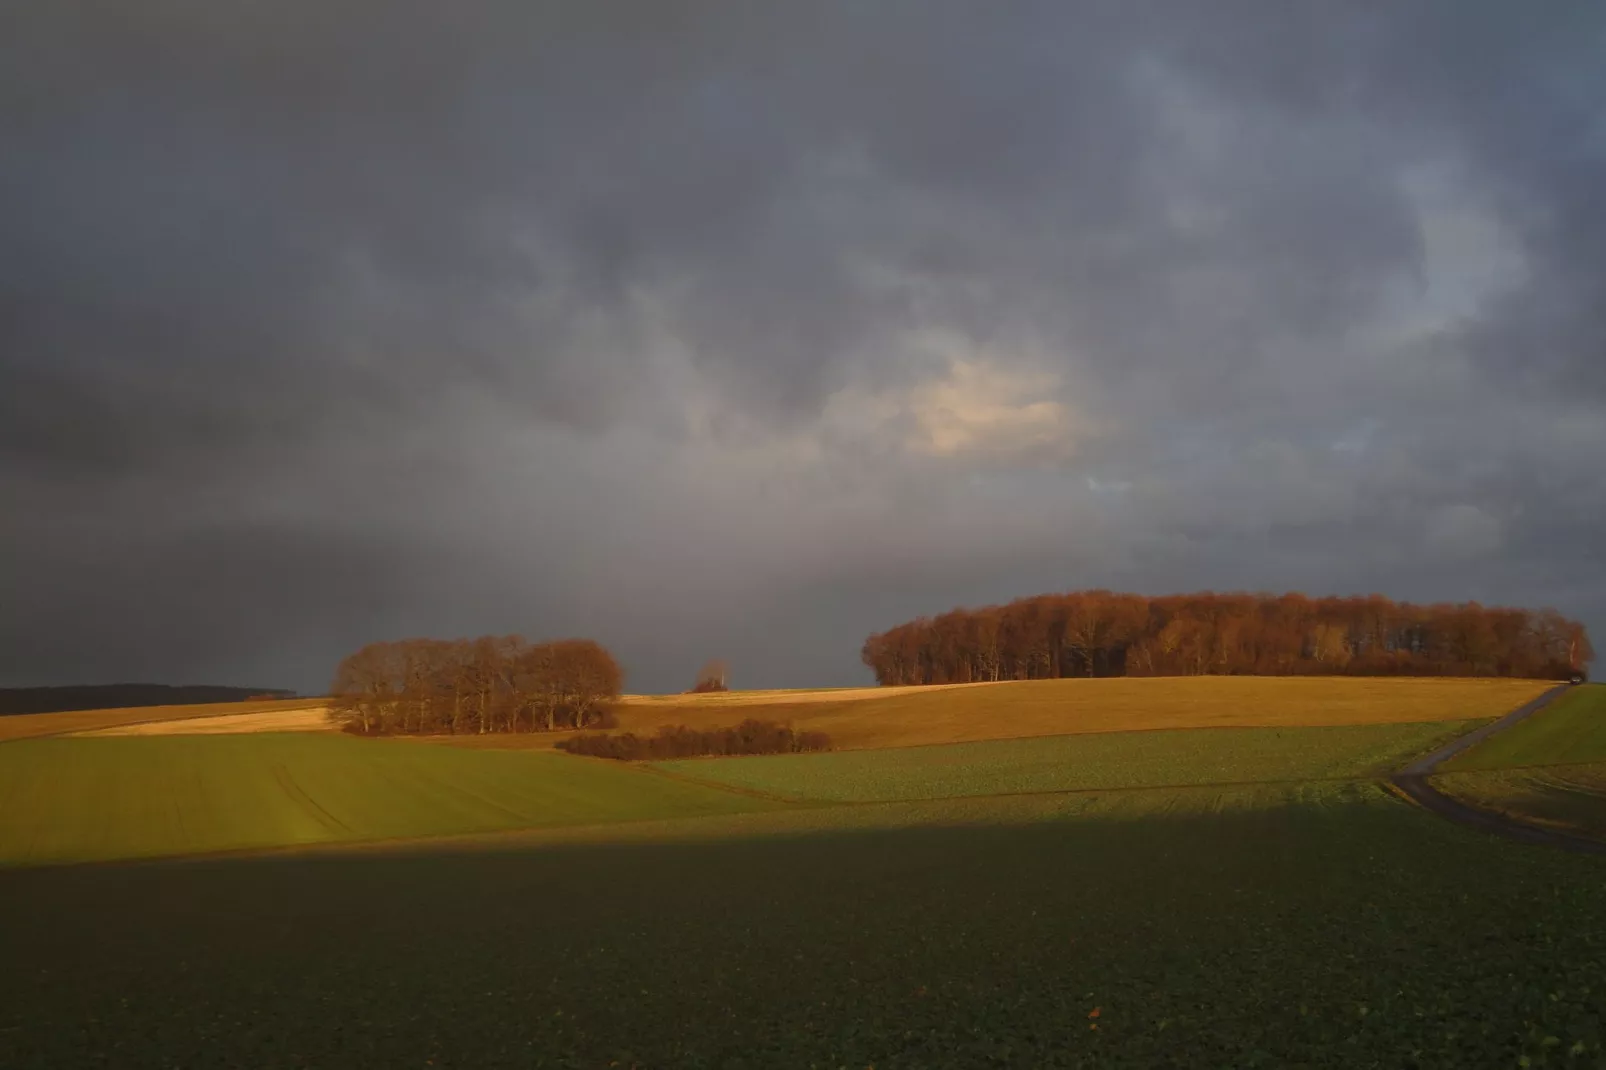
x=744 y=329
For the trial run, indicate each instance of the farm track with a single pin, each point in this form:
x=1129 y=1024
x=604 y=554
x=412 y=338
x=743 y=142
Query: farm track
x=1414 y=784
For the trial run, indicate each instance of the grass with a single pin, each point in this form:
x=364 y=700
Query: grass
x=1571 y=729
x=33 y=725
x=74 y=800
x=1077 y=763
x=1549 y=770
x=1568 y=797
x=1264 y=926
x=902 y=717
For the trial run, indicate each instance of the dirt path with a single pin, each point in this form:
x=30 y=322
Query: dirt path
x=1413 y=782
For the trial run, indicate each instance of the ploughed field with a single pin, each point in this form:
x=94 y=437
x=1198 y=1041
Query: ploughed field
x=1245 y=896
x=1550 y=770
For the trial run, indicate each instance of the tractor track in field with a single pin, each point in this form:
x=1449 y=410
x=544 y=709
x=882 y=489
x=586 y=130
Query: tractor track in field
x=1414 y=783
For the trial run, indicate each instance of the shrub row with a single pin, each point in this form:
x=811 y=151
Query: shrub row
x=678 y=741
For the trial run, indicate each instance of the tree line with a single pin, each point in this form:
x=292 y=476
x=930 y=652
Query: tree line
x=489 y=684
x=678 y=741
x=1100 y=633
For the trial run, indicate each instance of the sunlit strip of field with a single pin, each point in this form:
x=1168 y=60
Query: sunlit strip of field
x=717 y=699
x=28 y=725
x=1567 y=797
x=1571 y=729
x=77 y=800
x=896 y=717
x=305 y=719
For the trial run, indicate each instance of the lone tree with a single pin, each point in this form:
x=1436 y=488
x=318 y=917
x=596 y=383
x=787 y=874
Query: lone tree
x=711 y=677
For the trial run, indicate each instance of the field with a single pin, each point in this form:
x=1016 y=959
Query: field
x=904 y=717
x=1571 y=729
x=299 y=719
x=1550 y=770
x=1078 y=763
x=1567 y=797
x=1328 y=926
x=73 y=800
x=1271 y=905
x=32 y=725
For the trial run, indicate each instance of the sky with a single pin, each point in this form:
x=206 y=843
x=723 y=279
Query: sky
x=746 y=330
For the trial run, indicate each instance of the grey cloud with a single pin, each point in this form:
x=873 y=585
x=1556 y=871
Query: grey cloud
x=617 y=317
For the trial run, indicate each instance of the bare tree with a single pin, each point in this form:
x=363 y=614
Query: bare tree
x=1100 y=633
x=489 y=684
x=713 y=676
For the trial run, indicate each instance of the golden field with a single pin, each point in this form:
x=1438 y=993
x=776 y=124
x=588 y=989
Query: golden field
x=867 y=717
x=911 y=716
x=28 y=725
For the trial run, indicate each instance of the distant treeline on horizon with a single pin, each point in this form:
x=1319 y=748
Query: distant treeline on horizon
x=122 y=696
x=1100 y=633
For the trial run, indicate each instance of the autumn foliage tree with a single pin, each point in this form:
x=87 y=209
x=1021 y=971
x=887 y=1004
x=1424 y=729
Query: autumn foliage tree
x=489 y=684
x=1100 y=633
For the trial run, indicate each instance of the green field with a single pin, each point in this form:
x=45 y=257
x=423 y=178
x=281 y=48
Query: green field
x=1571 y=729
x=1569 y=797
x=1032 y=902
x=1325 y=926
x=1078 y=763
x=73 y=800
x=1549 y=770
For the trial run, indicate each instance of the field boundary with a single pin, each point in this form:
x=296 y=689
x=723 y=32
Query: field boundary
x=1429 y=763
x=54 y=731
x=1414 y=784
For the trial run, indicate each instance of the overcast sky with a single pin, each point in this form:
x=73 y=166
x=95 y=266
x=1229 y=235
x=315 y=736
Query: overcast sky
x=744 y=330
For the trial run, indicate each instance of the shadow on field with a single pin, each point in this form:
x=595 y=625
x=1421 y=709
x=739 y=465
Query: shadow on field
x=1337 y=929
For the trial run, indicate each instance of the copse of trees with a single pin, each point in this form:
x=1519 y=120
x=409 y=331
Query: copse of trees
x=490 y=684
x=711 y=677
x=1100 y=633
x=678 y=741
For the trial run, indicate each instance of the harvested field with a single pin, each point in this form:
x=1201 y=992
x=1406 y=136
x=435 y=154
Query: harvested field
x=306 y=719
x=803 y=696
x=901 y=717
x=32 y=725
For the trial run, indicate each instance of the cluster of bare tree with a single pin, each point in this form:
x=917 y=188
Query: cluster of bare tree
x=678 y=741
x=713 y=676
x=490 y=684
x=1099 y=633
